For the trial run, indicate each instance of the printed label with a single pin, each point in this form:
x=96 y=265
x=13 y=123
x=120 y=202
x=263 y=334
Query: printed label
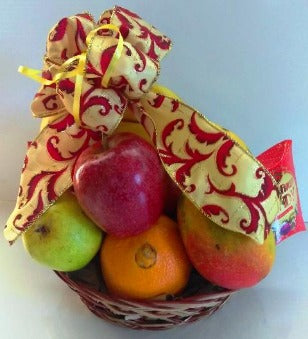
x=286 y=220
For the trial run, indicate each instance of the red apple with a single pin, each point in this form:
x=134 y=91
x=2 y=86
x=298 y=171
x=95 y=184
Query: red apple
x=120 y=185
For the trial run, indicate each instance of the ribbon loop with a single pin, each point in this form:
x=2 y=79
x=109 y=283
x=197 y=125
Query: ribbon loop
x=78 y=66
x=101 y=59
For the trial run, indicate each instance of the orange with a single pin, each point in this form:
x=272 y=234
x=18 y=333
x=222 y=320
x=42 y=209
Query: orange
x=147 y=265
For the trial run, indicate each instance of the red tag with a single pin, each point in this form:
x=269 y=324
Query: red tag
x=279 y=161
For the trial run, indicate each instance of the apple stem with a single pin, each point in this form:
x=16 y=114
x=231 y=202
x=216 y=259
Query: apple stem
x=105 y=143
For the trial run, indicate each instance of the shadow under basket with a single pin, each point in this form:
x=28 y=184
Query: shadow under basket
x=199 y=299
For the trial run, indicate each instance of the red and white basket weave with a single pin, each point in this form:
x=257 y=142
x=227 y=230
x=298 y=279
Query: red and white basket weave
x=201 y=300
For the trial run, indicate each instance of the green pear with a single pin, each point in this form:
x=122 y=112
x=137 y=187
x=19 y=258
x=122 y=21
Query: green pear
x=63 y=238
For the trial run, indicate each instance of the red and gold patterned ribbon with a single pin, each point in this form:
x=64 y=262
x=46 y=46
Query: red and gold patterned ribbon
x=89 y=81
x=80 y=69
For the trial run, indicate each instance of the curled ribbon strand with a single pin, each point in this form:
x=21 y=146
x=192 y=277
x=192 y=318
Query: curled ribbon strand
x=80 y=69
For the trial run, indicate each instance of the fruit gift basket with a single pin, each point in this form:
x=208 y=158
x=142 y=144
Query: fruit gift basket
x=153 y=214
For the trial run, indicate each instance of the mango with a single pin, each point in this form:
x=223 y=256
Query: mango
x=225 y=258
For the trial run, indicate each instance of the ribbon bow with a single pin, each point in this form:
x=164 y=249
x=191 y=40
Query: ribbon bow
x=91 y=73
x=79 y=63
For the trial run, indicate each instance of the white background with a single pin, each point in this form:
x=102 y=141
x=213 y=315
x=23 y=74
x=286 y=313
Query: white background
x=242 y=63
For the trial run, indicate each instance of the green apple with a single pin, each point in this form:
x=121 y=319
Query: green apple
x=63 y=238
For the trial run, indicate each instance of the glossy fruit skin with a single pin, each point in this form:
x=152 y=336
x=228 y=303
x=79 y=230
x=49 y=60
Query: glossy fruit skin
x=225 y=258
x=121 y=188
x=172 y=192
x=63 y=238
x=129 y=276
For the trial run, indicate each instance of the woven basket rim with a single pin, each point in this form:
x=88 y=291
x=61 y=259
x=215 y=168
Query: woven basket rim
x=147 y=303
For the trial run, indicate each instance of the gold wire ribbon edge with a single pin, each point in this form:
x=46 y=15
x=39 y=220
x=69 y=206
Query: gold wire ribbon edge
x=80 y=70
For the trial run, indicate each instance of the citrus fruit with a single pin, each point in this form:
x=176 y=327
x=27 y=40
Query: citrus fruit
x=165 y=91
x=237 y=139
x=233 y=136
x=159 y=89
x=133 y=127
x=147 y=265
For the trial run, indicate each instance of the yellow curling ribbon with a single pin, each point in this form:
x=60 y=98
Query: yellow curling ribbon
x=80 y=69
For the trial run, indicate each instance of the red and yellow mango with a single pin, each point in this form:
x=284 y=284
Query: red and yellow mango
x=225 y=258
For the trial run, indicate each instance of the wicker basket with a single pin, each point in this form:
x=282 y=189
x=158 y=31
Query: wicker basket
x=199 y=299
